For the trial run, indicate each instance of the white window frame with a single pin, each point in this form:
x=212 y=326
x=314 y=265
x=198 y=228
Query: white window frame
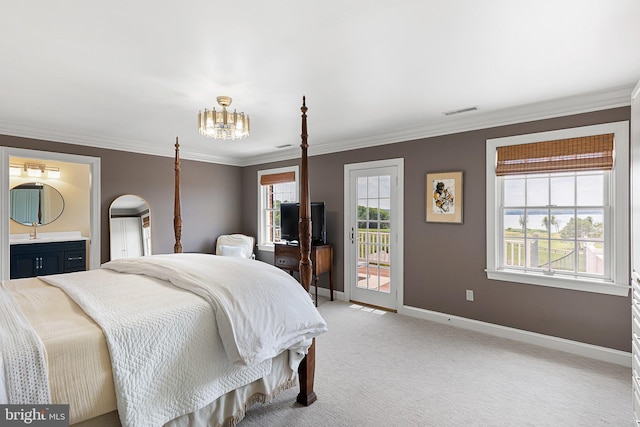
x=619 y=282
x=264 y=244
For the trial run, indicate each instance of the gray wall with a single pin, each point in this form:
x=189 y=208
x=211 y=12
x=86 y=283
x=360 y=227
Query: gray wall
x=443 y=260
x=210 y=193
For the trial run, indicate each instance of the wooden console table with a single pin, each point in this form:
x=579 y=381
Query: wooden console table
x=287 y=257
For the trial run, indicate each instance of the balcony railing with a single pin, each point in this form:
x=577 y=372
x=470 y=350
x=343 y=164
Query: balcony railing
x=374 y=247
x=590 y=258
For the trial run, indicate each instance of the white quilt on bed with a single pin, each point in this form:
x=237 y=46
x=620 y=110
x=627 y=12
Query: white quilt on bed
x=260 y=309
x=22 y=357
x=166 y=354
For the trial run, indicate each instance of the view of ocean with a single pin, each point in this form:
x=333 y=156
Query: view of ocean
x=512 y=219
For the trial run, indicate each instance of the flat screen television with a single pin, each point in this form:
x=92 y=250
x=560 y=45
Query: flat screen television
x=290 y=218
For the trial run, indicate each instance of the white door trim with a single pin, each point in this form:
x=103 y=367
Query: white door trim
x=398 y=261
x=94 y=176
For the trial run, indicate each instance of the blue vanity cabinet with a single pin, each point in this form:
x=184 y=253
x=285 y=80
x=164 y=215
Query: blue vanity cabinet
x=41 y=259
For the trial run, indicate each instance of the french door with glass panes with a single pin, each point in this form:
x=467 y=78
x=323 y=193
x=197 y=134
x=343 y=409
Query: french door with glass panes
x=373 y=222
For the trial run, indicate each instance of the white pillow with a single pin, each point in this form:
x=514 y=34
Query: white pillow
x=237 y=251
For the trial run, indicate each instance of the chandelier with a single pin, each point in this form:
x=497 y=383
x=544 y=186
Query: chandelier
x=223 y=124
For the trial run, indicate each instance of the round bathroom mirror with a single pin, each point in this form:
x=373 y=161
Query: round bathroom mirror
x=35 y=202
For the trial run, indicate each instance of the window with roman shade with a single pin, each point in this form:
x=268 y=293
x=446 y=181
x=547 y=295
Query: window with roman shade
x=556 y=208
x=275 y=186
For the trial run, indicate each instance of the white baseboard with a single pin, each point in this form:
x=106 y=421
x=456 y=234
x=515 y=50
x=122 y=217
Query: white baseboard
x=574 y=347
x=324 y=292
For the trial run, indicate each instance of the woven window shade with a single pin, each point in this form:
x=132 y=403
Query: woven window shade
x=562 y=155
x=277 y=178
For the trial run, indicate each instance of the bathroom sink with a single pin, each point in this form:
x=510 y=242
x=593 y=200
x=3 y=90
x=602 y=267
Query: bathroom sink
x=63 y=236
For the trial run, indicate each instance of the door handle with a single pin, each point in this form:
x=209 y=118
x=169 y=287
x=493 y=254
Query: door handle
x=353 y=238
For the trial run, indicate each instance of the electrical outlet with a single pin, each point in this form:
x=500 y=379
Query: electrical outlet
x=469 y=295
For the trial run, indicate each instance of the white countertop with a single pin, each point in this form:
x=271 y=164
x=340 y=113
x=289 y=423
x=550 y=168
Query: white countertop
x=59 y=236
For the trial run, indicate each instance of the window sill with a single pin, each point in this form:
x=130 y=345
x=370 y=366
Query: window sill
x=585 y=285
x=266 y=247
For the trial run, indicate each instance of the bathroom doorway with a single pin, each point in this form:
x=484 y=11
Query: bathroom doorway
x=9 y=156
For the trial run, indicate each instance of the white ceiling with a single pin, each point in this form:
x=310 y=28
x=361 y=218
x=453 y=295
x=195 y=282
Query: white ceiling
x=132 y=75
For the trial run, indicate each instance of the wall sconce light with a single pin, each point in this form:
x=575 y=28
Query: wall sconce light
x=34 y=170
x=53 y=173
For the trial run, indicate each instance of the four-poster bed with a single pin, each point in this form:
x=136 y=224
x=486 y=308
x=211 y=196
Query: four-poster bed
x=136 y=335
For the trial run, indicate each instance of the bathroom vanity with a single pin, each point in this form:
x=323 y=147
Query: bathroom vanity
x=49 y=253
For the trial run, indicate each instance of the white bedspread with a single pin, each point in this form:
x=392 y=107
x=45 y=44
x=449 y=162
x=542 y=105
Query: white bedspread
x=22 y=357
x=166 y=354
x=260 y=309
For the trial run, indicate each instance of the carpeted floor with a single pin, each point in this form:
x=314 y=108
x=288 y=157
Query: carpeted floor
x=382 y=369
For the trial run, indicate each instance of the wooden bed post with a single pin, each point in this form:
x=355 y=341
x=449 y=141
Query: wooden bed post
x=306 y=370
x=177 y=219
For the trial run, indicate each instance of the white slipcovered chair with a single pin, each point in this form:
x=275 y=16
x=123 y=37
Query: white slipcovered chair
x=238 y=245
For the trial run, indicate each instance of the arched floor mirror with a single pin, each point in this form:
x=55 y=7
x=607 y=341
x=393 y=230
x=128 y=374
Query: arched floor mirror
x=129 y=227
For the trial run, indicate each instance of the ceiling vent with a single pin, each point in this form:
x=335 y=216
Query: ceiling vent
x=462 y=110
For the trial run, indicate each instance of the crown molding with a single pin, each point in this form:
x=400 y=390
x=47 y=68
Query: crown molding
x=280 y=155
x=636 y=91
x=66 y=137
x=593 y=101
x=578 y=104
